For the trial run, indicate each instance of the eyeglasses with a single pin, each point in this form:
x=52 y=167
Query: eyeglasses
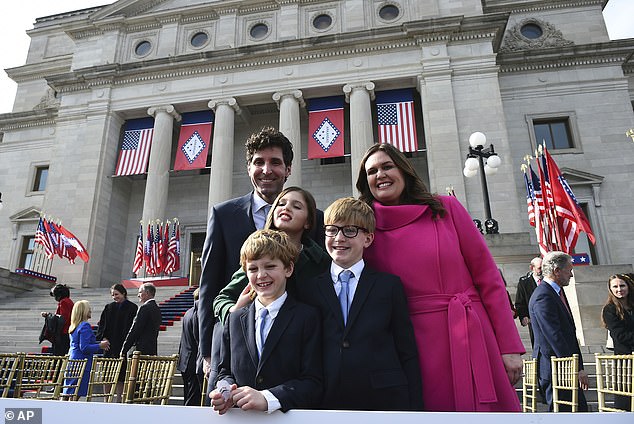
x=349 y=231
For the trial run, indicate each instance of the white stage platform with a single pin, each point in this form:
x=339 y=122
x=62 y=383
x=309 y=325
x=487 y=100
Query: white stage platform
x=58 y=412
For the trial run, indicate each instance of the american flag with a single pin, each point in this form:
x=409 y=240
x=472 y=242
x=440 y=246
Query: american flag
x=135 y=149
x=173 y=250
x=157 y=249
x=395 y=115
x=138 y=254
x=147 y=252
x=541 y=225
x=41 y=237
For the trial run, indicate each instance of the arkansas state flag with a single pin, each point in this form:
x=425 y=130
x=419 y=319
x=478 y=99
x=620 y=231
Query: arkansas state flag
x=194 y=140
x=325 y=127
x=395 y=118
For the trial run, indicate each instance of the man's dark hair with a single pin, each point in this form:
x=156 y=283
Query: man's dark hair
x=269 y=137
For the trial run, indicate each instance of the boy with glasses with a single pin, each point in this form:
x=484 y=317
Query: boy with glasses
x=370 y=358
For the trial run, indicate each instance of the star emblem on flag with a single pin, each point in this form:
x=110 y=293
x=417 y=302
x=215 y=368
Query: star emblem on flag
x=326 y=134
x=193 y=147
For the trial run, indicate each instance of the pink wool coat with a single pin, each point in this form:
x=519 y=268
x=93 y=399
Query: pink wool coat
x=451 y=282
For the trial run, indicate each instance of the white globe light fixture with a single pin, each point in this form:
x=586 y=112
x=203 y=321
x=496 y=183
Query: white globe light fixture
x=477 y=139
x=476 y=157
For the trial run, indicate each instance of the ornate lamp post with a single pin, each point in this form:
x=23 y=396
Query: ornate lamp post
x=476 y=159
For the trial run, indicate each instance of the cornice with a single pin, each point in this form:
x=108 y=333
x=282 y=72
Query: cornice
x=610 y=53
x=536 y=6
x=39 y=70
x=22 y=120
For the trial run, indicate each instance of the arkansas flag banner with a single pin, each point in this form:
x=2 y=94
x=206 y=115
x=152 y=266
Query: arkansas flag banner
x=194 y=140
x=395 y=116
x=325 y=127
x=135 y=149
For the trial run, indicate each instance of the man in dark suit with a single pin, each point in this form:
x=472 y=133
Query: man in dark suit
x=144 y=331
x=269 y=155
x=525 y=287
x=188 y=362
x=270 y=351
x=370 y=357
x=553 y=325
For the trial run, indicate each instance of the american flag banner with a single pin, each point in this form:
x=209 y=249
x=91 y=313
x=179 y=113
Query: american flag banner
x=135 y=149
x=325 y=127
x=396 y=122
x=138 y=254
x=570 y=217
x=41 y=237
x=194 y=140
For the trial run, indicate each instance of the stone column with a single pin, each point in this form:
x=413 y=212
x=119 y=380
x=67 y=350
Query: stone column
x=288 y=102
x=359 y=95
x=221 y=175
x=157 y=185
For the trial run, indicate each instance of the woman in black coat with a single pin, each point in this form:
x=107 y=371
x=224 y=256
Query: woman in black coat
x=618 y=317
x=114 y=325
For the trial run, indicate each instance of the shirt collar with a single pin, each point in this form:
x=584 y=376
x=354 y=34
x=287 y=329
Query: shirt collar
x=356 y=269
x=257 y=202
x=273 y=308
x=552 y=284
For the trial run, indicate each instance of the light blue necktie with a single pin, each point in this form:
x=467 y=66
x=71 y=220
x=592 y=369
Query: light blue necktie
x=344 y=278
x=264 y=314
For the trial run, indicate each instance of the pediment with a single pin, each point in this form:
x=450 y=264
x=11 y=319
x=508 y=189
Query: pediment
x=138 y=8
x=31 y=213
x=575 y=177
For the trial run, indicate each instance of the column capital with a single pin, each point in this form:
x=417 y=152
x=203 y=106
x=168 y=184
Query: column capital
x=229 y=101
x=169 y=109
x=363 y=85
x=295 y=94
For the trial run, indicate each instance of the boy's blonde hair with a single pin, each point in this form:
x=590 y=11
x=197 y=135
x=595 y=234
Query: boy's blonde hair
x=350 y=211
x=79 y=314
x=272 y=243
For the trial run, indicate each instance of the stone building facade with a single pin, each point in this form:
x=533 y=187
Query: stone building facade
x=506 y=68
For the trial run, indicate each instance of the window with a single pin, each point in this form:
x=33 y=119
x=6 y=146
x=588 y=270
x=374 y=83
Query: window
x=322 y=21
x=41 y=177
x=532 y=31
x=143 y=48
x=389 y=12
x=555 y=132
x=259 y=31
x=199 y=39
x=26 y=252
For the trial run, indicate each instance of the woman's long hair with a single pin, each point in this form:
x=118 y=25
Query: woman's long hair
x=629 y=300
x=80 y=313
x=415 y=192
x=311 y=205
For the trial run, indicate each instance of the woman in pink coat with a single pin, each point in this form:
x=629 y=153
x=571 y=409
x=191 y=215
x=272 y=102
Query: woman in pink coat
x=470 y=350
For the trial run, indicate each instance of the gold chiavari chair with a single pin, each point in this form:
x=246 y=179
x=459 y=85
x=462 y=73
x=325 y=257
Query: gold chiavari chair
x=203 y=394
x=565 y=377
x=149 y=378
x=615 y=376
x=103 y=378
x=40 y=376
x=10 y=364
x=529 y=385
x=71 y=378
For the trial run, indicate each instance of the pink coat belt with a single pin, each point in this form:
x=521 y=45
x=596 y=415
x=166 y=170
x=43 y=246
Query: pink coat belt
x=469 y=355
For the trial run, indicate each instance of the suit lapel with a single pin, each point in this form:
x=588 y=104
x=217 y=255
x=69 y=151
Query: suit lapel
x=282 y=320
x=327 y=290
x=364 y=286
x=244 y=205
x=562 y=308
x=247 y=322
